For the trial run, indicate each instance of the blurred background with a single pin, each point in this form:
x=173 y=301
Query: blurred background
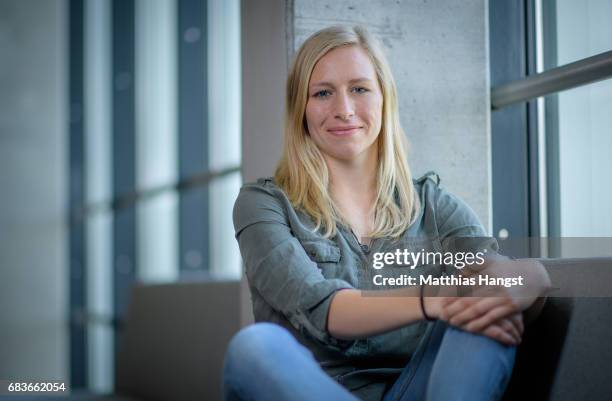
x=128 y=126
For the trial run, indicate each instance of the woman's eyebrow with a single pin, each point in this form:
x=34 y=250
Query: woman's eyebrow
x=356 y=80
x=352 y=81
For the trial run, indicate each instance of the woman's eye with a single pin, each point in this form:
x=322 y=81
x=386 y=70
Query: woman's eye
x=322 y=93
x=360 y=89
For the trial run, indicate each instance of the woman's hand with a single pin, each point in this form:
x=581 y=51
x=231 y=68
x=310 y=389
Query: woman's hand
x=487 y=305
x=476 y=313
x=495 y=318
x=499 y=318
x=508 y=330
x=495 y=311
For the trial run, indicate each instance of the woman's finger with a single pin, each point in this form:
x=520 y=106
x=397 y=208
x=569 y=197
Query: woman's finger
x=517 y=319
x=448 y=300
x=473 y=309
x=497 y=333
x=504 y=324
x=508 y=326
x=459 y=305
x=492 y=316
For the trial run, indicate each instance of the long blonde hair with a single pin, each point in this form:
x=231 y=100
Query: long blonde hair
x=302 y=172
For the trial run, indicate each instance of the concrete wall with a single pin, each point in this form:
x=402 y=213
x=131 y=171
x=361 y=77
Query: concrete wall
x=33 y=186
x=264 y=72
x=438 y=53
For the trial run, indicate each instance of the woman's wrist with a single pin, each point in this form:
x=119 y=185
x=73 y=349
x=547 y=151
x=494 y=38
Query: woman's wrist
x=430 y=312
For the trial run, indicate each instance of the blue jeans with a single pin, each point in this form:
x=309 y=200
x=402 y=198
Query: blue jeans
x=265 y=362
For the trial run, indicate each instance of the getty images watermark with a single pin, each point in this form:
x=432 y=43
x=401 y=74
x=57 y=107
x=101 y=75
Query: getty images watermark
x=404 y=258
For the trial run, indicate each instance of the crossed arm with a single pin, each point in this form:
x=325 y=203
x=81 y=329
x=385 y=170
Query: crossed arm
x=498 y=314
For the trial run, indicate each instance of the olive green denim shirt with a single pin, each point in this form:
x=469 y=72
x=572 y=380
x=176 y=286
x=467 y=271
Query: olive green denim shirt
x=293 y=274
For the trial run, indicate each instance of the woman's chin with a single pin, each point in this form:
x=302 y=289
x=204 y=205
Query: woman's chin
x=348 y=155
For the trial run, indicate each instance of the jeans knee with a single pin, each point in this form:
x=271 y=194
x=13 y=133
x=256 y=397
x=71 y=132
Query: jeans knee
x=478 y=346
x=475 y=340
x=256 y=341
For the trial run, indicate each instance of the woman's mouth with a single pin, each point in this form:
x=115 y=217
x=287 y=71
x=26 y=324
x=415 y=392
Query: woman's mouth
x=344 y=130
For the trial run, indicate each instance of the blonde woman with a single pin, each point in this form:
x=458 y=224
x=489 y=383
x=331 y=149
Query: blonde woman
x=343 y=192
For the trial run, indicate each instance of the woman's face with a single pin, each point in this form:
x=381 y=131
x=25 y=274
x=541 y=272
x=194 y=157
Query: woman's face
x=344 y=109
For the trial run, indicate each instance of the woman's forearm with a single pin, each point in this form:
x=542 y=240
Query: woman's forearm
x=357 y=314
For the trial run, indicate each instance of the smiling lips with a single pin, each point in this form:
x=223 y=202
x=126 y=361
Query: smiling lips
x=344 y=130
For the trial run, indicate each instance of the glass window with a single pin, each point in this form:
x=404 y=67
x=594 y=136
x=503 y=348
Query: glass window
x=156 y=139
x=576 y=128
x=98 y=194
x=580 y=28
x=584 y=129
x=224 y=127
x=161 y=183
x=559 y=141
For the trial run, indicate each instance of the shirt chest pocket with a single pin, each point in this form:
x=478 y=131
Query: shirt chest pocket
x=326 y=256
x=415 y=254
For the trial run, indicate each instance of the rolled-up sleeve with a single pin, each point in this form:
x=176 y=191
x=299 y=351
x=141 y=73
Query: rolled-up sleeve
x=278 y=267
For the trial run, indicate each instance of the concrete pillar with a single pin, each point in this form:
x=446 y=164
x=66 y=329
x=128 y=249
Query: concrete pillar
x=33 y=184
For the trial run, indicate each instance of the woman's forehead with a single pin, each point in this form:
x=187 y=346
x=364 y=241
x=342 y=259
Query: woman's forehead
x=347 y=64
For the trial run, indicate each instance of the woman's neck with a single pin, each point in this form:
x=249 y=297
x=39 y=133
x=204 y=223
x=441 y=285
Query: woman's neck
x=353 y=188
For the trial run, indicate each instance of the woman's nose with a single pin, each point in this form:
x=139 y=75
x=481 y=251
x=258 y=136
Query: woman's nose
x=344 y=108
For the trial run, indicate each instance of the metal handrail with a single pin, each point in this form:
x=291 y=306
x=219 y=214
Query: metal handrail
x=130 y=198
x=585 y=71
